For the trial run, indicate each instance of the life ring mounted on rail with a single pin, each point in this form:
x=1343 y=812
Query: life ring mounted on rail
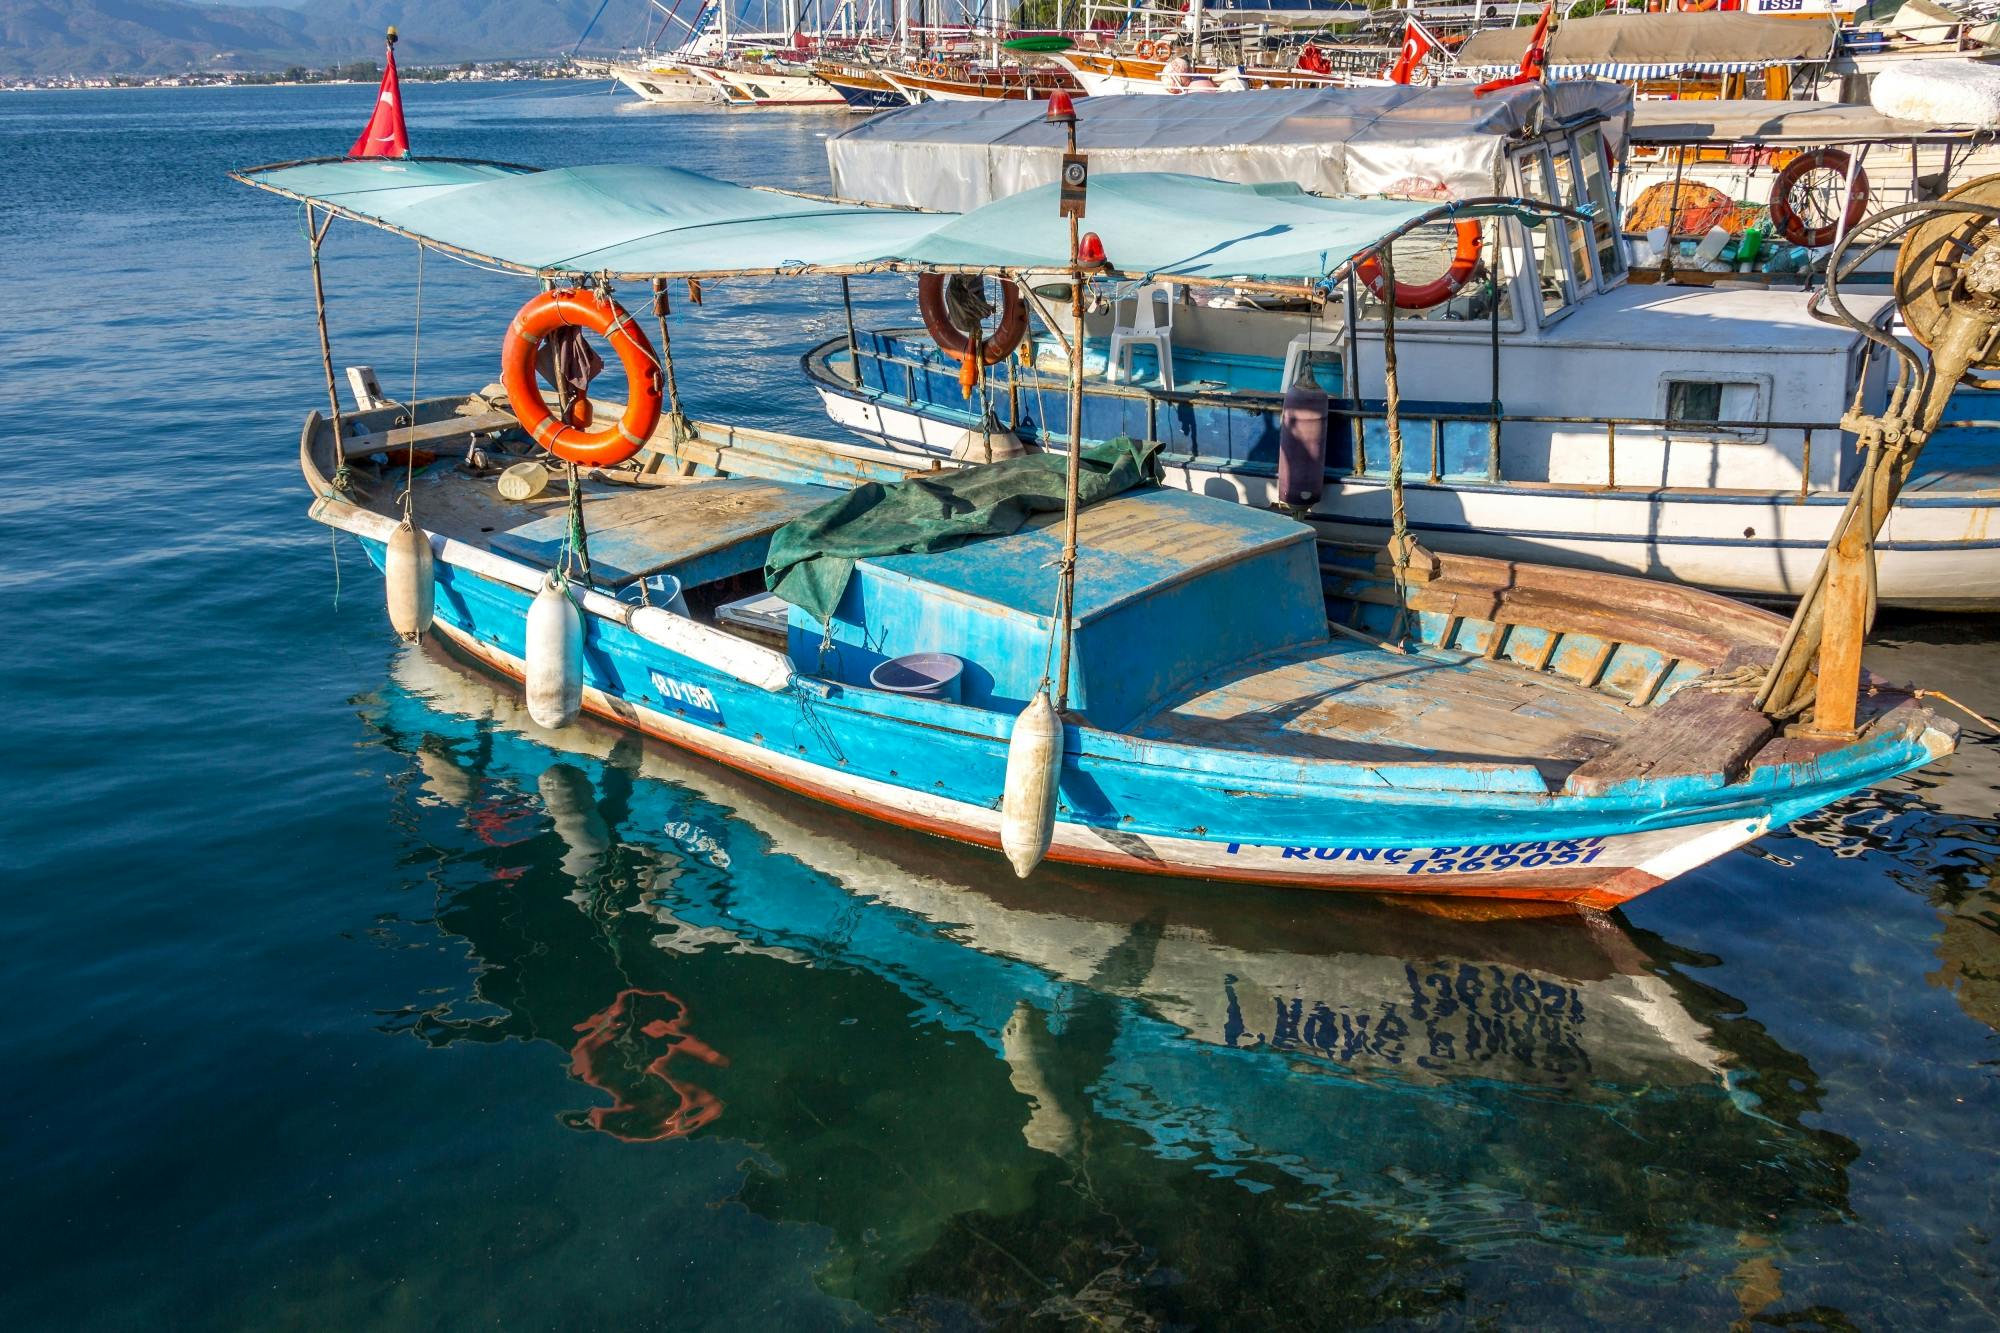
x=576 y=308
x=1424 y=295
x=949 y=304
x=1787 y=217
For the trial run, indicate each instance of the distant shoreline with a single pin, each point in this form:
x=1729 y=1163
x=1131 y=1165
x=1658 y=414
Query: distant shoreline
x=309 y=83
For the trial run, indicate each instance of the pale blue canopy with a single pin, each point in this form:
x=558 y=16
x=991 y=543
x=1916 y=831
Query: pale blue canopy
x=636 y=222
x=1157 y=224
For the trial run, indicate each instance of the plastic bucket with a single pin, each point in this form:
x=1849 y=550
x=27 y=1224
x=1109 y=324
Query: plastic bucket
x=926 y=675
x=661 y=590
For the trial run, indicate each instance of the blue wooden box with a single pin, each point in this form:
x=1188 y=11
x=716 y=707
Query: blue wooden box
x=1170 y=587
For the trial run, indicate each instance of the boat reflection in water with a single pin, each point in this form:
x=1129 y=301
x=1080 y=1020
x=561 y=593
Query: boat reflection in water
x=1087 y=1095
x=1930 y=840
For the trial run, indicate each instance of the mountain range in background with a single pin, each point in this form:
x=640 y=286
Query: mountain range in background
x=55 y=37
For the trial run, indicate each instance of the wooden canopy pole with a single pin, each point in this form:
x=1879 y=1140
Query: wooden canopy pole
x=1060 y=109
x=314 y=235
x=1392 y=411
x=677 y=422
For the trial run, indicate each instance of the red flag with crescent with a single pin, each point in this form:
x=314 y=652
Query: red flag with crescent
x=386 y=135
x=1417 y=44
x=1534 y=60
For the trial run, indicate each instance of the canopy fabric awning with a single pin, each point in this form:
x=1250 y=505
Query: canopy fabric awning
x=626 y=219
x=642 y=222
x=1183 y=227
x=1658 y=46
x=1756 y=122
x=1373 y=140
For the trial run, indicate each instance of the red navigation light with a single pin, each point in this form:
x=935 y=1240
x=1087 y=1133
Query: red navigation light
x=1090 y=250
x=1062 y=111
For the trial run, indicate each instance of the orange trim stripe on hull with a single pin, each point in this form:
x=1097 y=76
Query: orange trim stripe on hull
x=1574 y=887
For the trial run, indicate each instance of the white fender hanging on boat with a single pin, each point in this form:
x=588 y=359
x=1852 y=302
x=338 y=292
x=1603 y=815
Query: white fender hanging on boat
x=408 y=579
x=1028 y=802
x=555 y=655
x=988 y=442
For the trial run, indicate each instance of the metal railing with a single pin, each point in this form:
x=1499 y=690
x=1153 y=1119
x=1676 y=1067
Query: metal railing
x=1353 y=411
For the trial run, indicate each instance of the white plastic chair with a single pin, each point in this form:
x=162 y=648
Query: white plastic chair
x=1319 y=345
x=1146 y=329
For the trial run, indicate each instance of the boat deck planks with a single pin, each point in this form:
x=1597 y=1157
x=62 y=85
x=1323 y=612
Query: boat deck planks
x=633 y=535
x=1351 y=702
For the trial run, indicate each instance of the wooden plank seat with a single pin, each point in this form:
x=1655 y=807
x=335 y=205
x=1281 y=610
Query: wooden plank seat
x=1696 y=735
x=430 y=432
x=699 y=531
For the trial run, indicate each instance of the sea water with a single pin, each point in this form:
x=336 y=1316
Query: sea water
x=338 y=996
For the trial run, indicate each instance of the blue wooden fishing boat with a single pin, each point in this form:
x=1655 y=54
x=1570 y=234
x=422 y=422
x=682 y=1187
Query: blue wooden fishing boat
x=1238 y=701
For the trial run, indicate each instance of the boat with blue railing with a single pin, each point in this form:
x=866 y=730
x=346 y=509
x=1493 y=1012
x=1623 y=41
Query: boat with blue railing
x=942 y=655
x=1562 y=407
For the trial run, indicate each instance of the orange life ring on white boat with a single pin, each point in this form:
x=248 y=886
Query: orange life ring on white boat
x=1148 y=51
x=570 y=307
x=957 y=342
x=1424 y=295
x=1786 y=218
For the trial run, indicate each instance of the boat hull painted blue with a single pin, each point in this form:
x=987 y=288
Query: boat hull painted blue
x=1168 y=808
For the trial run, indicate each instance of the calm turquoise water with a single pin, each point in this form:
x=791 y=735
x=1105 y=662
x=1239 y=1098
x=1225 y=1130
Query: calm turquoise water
x=339 y=998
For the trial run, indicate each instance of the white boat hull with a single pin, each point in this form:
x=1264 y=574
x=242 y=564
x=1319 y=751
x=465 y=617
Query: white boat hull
x=666 y=85
x=1936 y=555
x=769 y=87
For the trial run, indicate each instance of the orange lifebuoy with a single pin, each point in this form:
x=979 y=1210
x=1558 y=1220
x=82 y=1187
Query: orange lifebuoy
x=1422 y=296
x=958 y=342
x=1785 y=217
x=1697 y=6
x=1147 y=51
x=567 y=440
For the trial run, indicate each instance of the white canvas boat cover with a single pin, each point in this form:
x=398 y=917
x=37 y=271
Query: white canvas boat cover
x=648 y=221
x=1378 y=140
x=1755 y=122
x=1659 y=46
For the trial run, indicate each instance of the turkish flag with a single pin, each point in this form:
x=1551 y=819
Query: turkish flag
x=1534 y=60
x=1417 y=43
x=385 y=135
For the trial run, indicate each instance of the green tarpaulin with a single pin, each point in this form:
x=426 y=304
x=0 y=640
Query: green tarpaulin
x=812 y=556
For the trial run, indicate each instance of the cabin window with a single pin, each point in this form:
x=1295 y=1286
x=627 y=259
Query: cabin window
x=1596 y=166
x=1426 y=254
x=1569 y=190
x=1734 y=405
x=1694 y=400
x=1552 y=273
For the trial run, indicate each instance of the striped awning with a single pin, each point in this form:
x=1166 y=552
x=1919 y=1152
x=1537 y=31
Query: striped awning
x=1625 y=71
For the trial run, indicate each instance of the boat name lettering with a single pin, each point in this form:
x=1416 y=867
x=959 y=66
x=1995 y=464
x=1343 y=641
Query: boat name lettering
x=697 y=698
x=1466 y=859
